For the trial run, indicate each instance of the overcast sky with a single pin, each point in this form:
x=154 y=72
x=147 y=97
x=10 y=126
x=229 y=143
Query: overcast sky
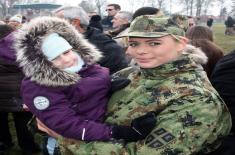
x=125 y=7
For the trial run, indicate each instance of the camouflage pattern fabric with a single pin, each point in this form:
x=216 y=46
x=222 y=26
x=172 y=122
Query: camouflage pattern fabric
x=193 y=120
x=153 y=26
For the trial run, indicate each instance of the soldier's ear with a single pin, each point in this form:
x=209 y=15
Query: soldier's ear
x=182 y=42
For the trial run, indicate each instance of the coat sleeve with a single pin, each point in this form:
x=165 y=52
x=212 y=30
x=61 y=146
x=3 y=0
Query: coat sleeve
x=55 y=111
x=7 y=52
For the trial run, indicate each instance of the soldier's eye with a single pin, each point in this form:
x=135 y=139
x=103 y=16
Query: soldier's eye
x=154 y=43
x=133 y=44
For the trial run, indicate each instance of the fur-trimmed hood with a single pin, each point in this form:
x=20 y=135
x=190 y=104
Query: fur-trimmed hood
x=198 y=56
x=35 y=64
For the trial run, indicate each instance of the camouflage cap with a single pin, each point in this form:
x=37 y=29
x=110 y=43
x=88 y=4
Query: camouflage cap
x=151 y=26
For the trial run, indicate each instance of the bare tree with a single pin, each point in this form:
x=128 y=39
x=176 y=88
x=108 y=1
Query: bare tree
x=156 y=3
x=99 y=5
x=233 y=8
x=87 y=6
x=223 y=14
x=188 y=6
x=191 y=2
x=160 y=3
x=143 y=3
x=221 y=4
x=6 y=5
x=199 y=7
x=132 y=4
x=206 y=4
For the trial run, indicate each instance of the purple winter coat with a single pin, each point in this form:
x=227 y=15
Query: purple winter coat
x=75 y=108
x=7 y=52
x=72 y=105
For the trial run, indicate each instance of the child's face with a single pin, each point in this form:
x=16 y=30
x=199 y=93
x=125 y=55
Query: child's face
x=65 y=60
x=153 y=52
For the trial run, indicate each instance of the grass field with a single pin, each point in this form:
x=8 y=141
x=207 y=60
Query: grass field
x=227 y=43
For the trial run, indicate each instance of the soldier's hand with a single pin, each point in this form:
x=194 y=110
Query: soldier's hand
x=145 y=124
x=126 y=133
x=139 y=129
x=118 y=83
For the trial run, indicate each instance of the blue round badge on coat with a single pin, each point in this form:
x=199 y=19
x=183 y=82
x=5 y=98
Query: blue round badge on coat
x=41 y=102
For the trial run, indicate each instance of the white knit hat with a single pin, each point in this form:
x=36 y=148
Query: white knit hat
x=54 y=45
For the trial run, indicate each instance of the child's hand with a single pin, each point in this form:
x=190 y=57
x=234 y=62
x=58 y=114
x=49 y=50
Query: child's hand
x=25 y=107
x=44 y=128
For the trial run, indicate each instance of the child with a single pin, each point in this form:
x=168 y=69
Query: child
x=64 y=87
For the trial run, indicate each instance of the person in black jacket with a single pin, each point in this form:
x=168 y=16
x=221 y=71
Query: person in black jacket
x=222 y=79
x=114 y=56
x=209 y=22
x=229 y=23
x=112 y=10
x=95 y=22
x=10 y=101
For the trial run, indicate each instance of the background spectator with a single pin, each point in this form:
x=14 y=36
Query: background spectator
x=229 y=23
x=11 y=102
x=212 y=51
x=191 y=22
x=121 y=23
x=209 y=22
x=202 y=37
x=199 y=32
x=95 y=21
x=112 y=10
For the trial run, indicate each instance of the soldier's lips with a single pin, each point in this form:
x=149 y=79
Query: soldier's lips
x=143 y=60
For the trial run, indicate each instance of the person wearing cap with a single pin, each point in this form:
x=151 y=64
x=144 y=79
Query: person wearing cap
x=15 y=21
x=191 y=117
x=64 y=87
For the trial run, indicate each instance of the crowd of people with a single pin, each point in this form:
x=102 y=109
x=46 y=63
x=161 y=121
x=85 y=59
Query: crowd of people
x=130 y=83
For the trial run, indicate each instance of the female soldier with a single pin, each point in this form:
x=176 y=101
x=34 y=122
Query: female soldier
x=191 y=116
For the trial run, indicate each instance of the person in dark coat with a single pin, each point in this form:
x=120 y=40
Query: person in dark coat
x=113 y=54
x=229 y=23
x=222 y=79
x=63 y=85
x=11 y=102
x=112 y=10
x=209 y=22
x=95 y=22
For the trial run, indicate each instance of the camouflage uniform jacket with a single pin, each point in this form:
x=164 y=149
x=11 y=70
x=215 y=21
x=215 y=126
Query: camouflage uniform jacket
x=192 y=120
